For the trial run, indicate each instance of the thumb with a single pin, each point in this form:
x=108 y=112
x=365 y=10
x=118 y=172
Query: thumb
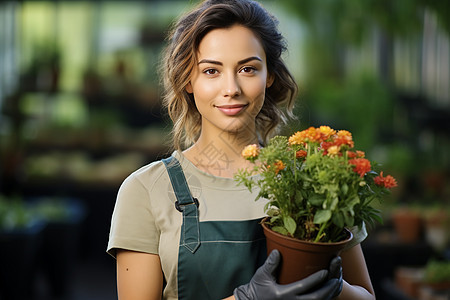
x=272 y=261
x=336 y=267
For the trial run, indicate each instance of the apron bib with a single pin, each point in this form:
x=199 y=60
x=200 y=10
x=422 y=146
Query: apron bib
x=214 y=257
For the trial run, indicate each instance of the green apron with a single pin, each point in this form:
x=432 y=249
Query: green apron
x=214 y=257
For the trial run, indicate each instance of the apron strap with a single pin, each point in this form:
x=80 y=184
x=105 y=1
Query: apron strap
x=186 y=204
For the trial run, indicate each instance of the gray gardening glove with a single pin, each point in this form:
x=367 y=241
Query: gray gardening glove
x=322 y=285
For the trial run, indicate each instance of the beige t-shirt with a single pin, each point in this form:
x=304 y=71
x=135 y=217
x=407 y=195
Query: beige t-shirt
x=145 y=218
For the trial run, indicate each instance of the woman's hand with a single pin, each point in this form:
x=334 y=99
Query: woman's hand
x=322 y=285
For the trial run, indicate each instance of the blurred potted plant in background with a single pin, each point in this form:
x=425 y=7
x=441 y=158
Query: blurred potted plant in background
x=408 y=223
x=437 y=276
x=317 y=185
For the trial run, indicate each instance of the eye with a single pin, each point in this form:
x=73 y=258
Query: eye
x=248 y=70
x=210 y=71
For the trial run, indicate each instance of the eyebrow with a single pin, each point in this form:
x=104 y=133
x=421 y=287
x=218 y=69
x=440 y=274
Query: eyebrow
x=243 y=61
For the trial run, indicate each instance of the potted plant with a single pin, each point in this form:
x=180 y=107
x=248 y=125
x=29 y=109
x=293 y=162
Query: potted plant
x=437 y=275
x=317 y=185
x=408 y=223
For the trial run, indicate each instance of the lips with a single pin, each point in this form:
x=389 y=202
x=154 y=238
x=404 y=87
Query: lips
x=231 y=110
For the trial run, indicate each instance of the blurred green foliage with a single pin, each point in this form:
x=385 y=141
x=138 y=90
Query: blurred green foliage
x=437 y=271
x=358 y=106
x=351 y=20
x=14 y=214
x=351 y=81
x=18 y=214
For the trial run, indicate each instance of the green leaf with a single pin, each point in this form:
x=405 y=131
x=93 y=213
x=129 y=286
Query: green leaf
x=290 y=224
x=349 y=219
x=316 y=200
x=298 y=197
x=280 y=229
x=334 y=203
x=344 y=188
x=273 y=220
x=322 y=216
x=338 y=219
x=376 y=215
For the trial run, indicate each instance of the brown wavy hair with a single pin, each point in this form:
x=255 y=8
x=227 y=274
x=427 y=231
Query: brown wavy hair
x=180 y=59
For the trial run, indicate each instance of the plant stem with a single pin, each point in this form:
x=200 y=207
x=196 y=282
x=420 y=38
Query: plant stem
x=295 y=166
x=322 y=228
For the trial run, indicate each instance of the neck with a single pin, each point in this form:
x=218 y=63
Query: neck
x=220 y=153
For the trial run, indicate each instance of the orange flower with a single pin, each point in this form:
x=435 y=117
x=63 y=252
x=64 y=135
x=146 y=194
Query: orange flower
x=351 y=154
x=344 y=137
x=388 y=181
x=360 y=154
x=308 y=135
x=250 y=151
x=301 y=153
x=362 y=165
x=312 y=134
x=331 y=149
x=297 y=138
x=344 y=133
x=279 y=165
x=326 y=132
x=379 y=180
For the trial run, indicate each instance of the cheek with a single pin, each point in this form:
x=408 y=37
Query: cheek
x=258 y=94
x=204 y=92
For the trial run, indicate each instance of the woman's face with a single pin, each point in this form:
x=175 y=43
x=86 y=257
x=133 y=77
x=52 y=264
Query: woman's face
x=229 y=80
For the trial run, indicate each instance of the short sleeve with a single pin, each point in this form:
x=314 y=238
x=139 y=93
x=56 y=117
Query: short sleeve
x=133 y=224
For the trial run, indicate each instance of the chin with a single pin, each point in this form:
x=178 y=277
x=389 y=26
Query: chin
x=239 y=128
x=235 y=125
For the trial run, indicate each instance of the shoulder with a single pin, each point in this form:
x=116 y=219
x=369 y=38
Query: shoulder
x=145 y=176
x=143 y=192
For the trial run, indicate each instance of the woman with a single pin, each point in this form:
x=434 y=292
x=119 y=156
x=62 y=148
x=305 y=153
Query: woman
x=181 y=227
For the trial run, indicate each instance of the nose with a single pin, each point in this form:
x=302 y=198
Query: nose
x=231 y=87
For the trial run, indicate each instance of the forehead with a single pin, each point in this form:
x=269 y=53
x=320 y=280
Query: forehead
x=233 y=42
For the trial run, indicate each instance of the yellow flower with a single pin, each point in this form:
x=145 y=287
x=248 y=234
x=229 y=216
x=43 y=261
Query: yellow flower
x=345 y=133
x=344 y=137
x=333 y=150
x=308 y=135
x=297 y=138
x=326 y=132
x=250 y=151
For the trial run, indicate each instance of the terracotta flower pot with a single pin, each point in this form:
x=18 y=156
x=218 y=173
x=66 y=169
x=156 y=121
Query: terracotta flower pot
x=408 y=225
x=300 y=259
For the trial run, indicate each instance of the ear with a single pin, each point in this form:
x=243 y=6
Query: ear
x=269 y=81
x=189 y=88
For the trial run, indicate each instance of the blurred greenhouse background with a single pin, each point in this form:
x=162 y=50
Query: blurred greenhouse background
x=80 y=109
